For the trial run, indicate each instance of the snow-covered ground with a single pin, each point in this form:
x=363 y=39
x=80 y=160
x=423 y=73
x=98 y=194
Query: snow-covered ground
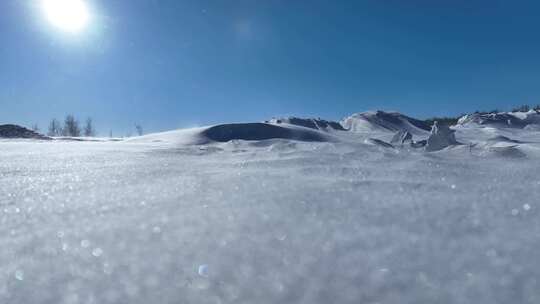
x=159 y=219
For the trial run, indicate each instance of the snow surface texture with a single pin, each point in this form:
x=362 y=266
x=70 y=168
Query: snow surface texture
x=177 y=218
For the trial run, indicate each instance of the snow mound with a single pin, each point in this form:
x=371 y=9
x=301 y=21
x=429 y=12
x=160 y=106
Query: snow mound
x=518 y=120
x=261 y=131
x=312 y=123
x=234 y=131
x=14 y=131
x=384 y=121
x=191 y=136
x=441 y=137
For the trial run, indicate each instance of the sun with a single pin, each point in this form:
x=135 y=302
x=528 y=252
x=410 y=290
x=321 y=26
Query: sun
x=68 y=15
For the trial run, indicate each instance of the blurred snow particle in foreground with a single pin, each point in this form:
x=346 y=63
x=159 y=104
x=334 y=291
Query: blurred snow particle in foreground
x=203 y=270
x=19 y=275
x=97 y=252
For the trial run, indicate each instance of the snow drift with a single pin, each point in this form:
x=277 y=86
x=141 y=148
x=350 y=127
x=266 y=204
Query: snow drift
x=312 y=123
x=235 y=131
x=384 y=121
x=518 y=120
x=260 y=131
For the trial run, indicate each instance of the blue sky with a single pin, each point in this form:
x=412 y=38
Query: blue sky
x=171 y=63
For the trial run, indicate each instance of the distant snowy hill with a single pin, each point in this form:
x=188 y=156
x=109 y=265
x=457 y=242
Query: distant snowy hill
x=384 y=121
x=14 y=131
x=502 y=120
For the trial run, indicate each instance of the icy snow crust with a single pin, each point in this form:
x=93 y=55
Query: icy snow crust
x=177 y=218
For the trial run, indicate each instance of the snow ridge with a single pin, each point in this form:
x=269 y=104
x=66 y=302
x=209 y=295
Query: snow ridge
x=384 y=121
x=518 y=120
x=312 y=123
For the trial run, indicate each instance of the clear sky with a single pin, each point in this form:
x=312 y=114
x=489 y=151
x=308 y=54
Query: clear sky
x=177 y=63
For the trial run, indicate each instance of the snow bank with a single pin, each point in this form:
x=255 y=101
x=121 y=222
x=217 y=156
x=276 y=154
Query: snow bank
x=384 y=121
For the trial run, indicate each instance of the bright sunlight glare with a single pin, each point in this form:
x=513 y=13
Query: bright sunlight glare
x=68 y=15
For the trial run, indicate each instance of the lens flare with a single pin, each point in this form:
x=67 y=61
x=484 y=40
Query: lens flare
x=68 y=15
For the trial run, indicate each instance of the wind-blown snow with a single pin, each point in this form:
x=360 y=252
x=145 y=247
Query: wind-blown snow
x=176 y=217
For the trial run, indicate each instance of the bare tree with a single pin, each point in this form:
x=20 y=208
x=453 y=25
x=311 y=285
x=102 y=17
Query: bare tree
x=35 y=127
x=71 y=127
x=110 y=133
x=89 y=128
x=54 y=128
x=139 y=129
